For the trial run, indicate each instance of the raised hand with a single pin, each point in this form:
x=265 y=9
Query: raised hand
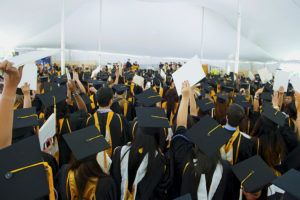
x=26 y=89
x=185 y=89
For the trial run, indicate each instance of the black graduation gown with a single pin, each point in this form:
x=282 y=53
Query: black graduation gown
x=130 y=115
x=184 y=183
x=76 y=121
x=118 y=137
x=106 y=187
x=154 y=184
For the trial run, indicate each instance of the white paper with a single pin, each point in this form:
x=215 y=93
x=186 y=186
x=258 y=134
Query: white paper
x=281 y=79
x=110 y=66
x=47 y=131
x=96 y=71
x=163 y=75
x=68 y=74
x=265 y=75
x=29 y=75
x=251 y=76
x=295 y=81
x=191 y=71
x=139 y=80
x=31 y=57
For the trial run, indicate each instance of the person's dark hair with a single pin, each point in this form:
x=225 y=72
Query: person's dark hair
x=104 y=96
x=172 y=99
x=85 y=170
x=137 y=89
x=148 y=139
x=220 y=111
x=204 y=165
x=235 y=114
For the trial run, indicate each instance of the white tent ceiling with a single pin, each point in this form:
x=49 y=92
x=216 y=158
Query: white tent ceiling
x=164 y=28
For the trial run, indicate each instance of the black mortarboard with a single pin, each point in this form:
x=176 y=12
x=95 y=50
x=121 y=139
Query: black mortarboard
x=148 y=98
x=86 y=142
x=48 y=87
x=61 y=80
x=25 y=117
x=44 y=79
x=97 y=84
x=276 y=196
x=22 y=175
x=208 y=135
x=85 y=99
x=221 y=97
x=151 y=117
x=227 y=88
x=274 y=115
x=244 y=85
x=205 y=105
x=207 y=87
x=242 y=101
x=268 y=87
x=184 y=197
x=253 y=174
x=266 y=96
x=129 y=75
x=290 y=93
x=120 y=89
x=47 y=99
x=104 y=76
x=290 y=183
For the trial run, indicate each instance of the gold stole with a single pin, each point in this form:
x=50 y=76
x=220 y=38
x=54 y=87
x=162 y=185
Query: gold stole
x=125 y=108
x=227 y=149
x=89 y=191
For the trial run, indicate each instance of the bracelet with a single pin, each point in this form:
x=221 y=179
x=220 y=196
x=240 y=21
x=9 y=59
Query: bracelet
x=75 y=94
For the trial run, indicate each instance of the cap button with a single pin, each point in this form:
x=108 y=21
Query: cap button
x=8 y=175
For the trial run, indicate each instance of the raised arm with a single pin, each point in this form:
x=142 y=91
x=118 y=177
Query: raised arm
x=26 y=92
x=280 y=98
x=183 y=107
x=193 y=107
x=80 y=103
x=256 y=100
x=12 y=77
x=80 y=86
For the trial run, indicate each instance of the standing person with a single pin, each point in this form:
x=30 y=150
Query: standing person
x=112 y=126
x=12 y=78
x=128 y=65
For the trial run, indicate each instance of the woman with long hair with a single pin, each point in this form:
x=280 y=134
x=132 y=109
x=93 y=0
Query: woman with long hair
x=140 y=169
x=171 y=104
x=203 y=176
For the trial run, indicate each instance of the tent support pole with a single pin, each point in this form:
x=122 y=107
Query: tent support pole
x=100 y=32
x=202 y=35
x=62 y=38
x=238 y=38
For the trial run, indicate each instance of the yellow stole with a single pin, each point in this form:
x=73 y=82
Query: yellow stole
x=227 y=149
x=89 y=191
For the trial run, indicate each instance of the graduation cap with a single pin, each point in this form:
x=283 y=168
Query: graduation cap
x=22 y=172
x=47 y=99
x=61 y=80
x=274 y=115
x=44 y=79
x=120 y=89
x=129 y=75
x=253 y=174
x=48 y=87
x=86 y=142
x=242 y=101
x=276 y=196
x=25 y=117
x=244 y=85
x=221 y=97
x=227 y=88
x=205 y=105
x=208 y=135
x=185 y=197
x=290 y=93
x=152 y=117
x=266 y=96
x=290 y=183
x=85 y=99
x=149 y=98
x=97 y=83
x=207 y=87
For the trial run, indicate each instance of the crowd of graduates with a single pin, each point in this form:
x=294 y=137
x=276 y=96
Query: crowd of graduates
x=227 y=137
